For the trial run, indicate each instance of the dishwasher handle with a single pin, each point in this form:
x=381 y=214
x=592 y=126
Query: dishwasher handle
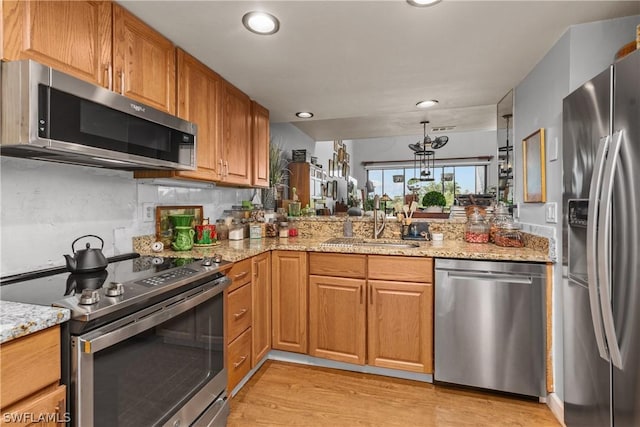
x=494 y=277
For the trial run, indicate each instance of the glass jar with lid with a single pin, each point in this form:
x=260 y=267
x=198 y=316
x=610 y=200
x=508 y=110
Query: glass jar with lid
x=477 y=230
x=284 y=230
x=222 y=230
x=500 y=215
x=509 y=235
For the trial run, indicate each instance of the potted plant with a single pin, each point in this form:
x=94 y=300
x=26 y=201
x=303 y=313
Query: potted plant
x=277 y=171
x=434 y=201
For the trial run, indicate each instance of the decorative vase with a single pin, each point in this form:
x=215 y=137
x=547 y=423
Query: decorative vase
x=269 y=198
x=183 y=239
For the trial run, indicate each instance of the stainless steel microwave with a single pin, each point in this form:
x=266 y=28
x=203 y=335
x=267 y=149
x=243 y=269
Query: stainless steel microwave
x=50 y=115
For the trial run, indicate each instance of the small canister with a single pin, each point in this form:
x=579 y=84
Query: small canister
x=509 y=235
x=293 y=229
x=272 y=229
x=284 y=230
x=222 y=231
x=477 y=229
x=255 y=231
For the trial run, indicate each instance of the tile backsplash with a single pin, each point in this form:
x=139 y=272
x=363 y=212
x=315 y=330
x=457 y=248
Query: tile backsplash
x=45 y=206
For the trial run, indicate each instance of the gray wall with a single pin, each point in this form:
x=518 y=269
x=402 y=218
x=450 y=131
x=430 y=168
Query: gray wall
x=45 y=206
x=581 y=53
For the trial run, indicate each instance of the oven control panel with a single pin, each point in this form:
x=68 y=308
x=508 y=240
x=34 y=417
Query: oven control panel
x=169 y=277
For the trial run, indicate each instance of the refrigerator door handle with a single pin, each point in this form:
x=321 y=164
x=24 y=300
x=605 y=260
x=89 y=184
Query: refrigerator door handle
x=592 y=238
x=603 y=250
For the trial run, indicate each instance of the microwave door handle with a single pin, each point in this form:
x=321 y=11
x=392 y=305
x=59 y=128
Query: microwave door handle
x=592 y=237
x=604 y=251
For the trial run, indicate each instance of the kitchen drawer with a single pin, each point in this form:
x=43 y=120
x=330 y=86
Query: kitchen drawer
x=50 y=401
x=238 y=311
x=401 y=269
x=239 y=359
x=240 y=274
x=338 y=265
x=29 y=364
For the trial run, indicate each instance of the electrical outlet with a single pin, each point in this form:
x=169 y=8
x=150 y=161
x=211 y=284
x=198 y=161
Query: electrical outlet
x=147 y=212
x=551 y=212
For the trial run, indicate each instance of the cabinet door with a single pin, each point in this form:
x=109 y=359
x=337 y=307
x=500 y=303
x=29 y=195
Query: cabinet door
x=52 y=403
x=289 y=300
x=199 y=101
x=337 y=318
x=144 y=62
x=299 y=177
x=261 y=308
x=260 y=144
x=236 y=123
x=401 y=325
x=71 y=36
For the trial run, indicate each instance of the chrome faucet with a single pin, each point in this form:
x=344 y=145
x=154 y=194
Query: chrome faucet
x=377 y=231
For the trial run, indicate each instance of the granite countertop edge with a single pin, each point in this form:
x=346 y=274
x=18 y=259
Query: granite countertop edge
x=241 y=249
x=18 y=319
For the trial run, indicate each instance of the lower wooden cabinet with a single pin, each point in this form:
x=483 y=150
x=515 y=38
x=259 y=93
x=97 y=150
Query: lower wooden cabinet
x=337 y=318
x=239 y=358
x=289 y=300
x=357 y=315
x=261 y=307
x=400 y=325
x=30 y=378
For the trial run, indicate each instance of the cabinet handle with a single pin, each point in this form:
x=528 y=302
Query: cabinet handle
x=370 y=294
x=240 y=313
x=255 y=268
x=109 y=83
x=241 y=361
x=240 y=275
x=226 y=168
x=360 y=294
x=121 y=82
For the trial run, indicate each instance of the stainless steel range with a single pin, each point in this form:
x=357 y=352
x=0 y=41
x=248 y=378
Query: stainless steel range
x=145 y=341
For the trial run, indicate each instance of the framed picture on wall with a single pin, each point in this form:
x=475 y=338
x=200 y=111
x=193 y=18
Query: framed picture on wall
x=535 y=190
x=330 y=168
x=336 y=145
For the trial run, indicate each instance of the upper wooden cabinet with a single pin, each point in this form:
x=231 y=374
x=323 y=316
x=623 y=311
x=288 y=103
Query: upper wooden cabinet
x=236 y=136
x=199 y=101
x=71 y=36
x=97 y=41
x=260 y=144
x=144 y=62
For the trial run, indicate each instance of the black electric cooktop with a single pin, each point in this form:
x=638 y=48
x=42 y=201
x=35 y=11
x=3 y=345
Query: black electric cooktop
x=128 y=282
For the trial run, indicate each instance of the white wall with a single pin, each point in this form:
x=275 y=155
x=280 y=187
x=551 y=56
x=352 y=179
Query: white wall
x=581 y=53
x=288 y=137
x=45 y=206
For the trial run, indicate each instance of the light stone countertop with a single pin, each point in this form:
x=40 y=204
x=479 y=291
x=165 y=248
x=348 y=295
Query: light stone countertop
x=236 y=250
x=18 y=319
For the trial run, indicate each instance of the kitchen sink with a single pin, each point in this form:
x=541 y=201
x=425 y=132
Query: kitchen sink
x=350 y=242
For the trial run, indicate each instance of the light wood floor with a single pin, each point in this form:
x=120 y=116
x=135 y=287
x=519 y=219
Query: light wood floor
x=285 y=394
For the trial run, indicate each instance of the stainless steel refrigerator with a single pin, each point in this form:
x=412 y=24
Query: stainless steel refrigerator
x=601 y=257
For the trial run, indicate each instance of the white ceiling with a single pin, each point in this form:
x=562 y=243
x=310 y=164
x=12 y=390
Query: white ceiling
x=361 y=66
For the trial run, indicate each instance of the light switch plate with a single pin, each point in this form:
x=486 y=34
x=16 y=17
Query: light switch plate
x=147 y=212
x=551 y=212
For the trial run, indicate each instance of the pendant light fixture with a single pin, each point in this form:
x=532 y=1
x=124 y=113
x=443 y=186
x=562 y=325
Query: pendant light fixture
x=424 y=154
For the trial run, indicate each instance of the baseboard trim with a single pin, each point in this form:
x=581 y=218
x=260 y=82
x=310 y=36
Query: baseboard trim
x=557 y=407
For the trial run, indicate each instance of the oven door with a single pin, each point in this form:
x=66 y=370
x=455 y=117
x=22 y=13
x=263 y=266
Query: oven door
x=163 y=365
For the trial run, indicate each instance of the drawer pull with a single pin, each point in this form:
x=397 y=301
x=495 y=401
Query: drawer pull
x=240 y=313
x=241 y=361
x=240 y=275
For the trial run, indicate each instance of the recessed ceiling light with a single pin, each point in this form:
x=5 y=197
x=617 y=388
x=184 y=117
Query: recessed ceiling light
x=426 y=104
x=423 y=3
x=304 y=114
x=261 y=23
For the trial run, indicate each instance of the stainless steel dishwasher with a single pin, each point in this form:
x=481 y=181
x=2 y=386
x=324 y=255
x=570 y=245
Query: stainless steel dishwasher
x=490 y=325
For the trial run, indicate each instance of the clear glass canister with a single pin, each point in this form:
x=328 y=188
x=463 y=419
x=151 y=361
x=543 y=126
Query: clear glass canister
x=509 y=235
x=222 y=230
x=477 y=229
x=284 y=229
x=500 y=215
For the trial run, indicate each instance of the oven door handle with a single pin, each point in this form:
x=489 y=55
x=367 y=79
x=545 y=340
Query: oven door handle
x=112 y=334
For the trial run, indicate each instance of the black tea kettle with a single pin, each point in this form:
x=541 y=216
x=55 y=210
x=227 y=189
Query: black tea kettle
x=86 y=260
